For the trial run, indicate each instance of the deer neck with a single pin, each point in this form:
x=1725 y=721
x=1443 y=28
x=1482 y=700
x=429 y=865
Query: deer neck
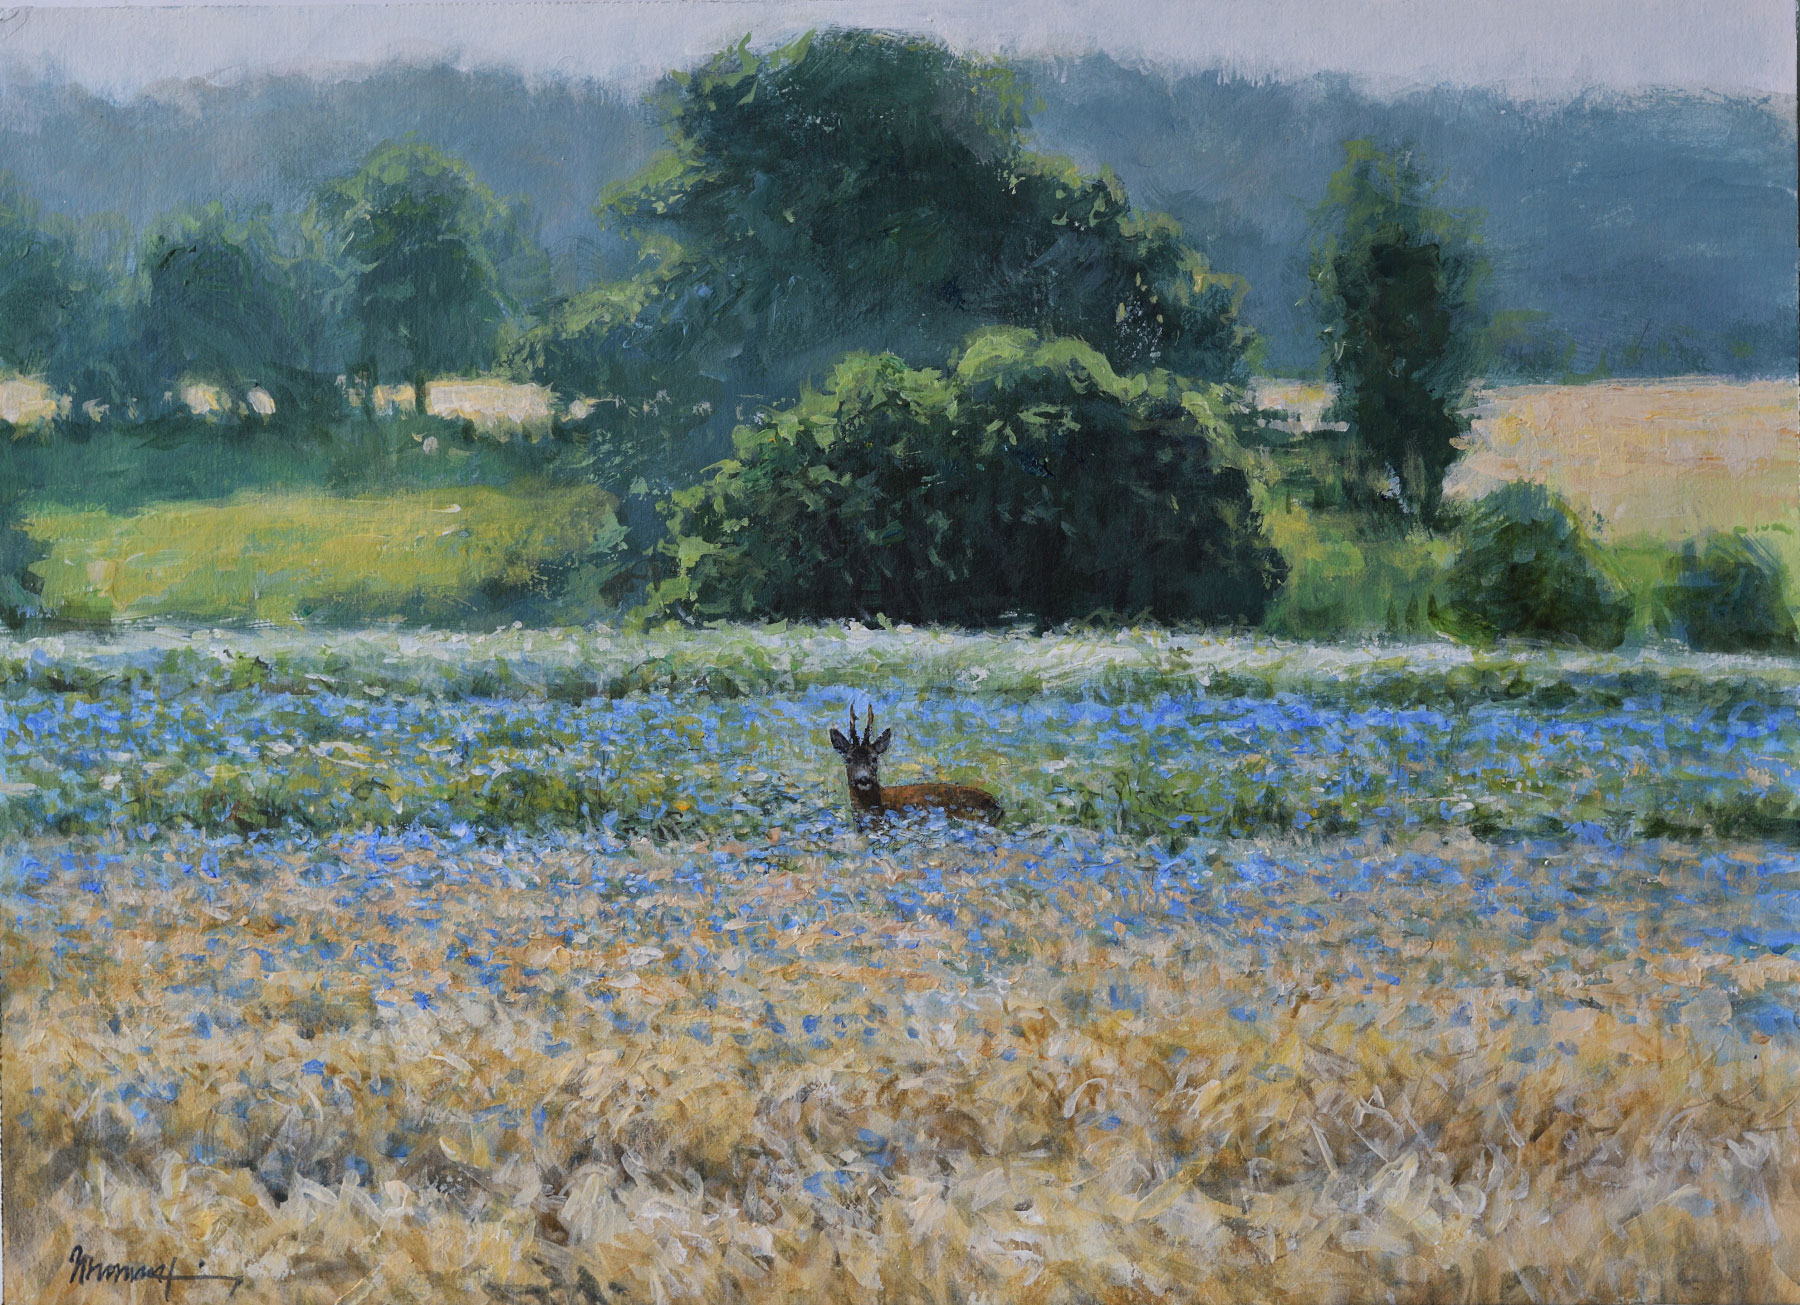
x=869 y=800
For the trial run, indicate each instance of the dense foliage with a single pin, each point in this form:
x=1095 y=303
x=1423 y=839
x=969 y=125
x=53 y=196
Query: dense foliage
x=1394 y=279
x=1728 y=596
x=117 y=326
x=237 y=304
x=861 y=191
x=861 y=185
x=854 y=191
x=405 y=268
x=66 y=298
x=438 y=265
x=40 y=281
x=1028 y=480
x=1529 y=568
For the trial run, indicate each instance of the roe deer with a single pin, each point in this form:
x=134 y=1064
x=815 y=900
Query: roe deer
x=862 y=763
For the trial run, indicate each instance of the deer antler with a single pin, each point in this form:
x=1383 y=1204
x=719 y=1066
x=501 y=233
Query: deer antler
x=853 y=739
x=869 y=726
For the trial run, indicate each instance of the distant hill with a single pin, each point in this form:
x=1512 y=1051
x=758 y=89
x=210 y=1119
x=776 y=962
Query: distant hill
x=1655 y=235
x=272 y=140
x=1651 y=235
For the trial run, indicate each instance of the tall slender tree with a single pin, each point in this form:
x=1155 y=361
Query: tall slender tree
x=1395 y=279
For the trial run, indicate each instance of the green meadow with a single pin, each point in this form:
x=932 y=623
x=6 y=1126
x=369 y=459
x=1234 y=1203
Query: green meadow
x=118 y=530
x=423 y=555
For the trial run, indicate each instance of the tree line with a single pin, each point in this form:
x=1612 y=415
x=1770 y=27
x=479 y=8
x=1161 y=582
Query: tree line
x=876 y=355
x=407 y=267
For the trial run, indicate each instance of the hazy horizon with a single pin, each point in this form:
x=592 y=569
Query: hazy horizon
x=1528 y=48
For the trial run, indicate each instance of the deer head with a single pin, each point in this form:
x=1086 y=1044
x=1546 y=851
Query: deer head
x=862 y=757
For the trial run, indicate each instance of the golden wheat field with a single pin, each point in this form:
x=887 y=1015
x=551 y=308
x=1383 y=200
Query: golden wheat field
x=549 y=966
x=302 y=1065
x=1667 y=458
x=1671 y=458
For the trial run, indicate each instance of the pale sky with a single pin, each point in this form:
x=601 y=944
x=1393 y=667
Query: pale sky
x=1550 y=47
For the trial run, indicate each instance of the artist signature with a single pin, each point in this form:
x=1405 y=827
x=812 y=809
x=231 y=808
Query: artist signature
x=88 y=1269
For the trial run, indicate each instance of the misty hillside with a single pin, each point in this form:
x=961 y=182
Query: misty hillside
x=1656 y=233
x=1644 y=236
x=272 y=140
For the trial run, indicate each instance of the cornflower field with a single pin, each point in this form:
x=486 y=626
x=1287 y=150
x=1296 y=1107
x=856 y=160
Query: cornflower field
x=550 y=966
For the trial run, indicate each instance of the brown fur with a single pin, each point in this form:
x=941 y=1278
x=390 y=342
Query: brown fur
x=862 y=762
x=952 y=799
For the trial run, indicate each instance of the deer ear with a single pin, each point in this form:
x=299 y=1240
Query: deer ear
x=839 y=742
x=881 y=744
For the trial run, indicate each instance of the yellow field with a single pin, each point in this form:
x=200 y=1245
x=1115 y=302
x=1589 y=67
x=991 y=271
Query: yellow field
x=1674 y=459
x=25 y=401
x=1670 y=458
x=286 y=1071
x=500 y=407
x=278 y=556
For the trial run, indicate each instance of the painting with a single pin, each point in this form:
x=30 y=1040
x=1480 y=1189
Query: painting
x=963 y=654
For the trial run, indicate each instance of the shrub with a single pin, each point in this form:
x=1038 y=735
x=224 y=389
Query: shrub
x=1730 y=596
x=1030 y=479
x=1529 y=568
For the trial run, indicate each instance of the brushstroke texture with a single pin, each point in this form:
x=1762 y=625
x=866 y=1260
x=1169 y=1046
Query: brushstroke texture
x=1052 y=1063
x=1597 y=263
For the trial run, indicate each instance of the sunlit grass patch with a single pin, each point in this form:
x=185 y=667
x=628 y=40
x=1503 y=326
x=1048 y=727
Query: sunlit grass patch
x=1344 y=577
x=429 y=554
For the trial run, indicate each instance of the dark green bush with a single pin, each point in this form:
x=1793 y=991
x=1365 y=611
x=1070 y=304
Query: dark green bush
x=1528 y=568
x=1031 y=480
x=1730 y=596
x=20 y=591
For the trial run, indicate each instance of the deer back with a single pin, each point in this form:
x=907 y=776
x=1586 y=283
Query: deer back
x=952 y=799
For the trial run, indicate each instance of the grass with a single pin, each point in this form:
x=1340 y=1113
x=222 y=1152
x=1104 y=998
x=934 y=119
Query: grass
x=1657 y=461
x=578 y=983
x=1344 y=577
x=192 y=471
x=546 y=965
x=281 y=556
x=1158 y=737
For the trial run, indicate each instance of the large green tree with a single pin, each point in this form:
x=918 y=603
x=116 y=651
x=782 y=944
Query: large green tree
x=71 y=302
x=42 y=281
x=237 y=303
x=438 y=266
x=1395 y=279
x=1031 y=479
x=858 y=190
